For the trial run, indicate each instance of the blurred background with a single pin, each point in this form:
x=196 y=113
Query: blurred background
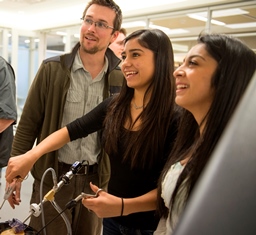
x=32 y=30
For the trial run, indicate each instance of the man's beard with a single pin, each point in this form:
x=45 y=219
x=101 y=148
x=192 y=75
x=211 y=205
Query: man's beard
x=91 y=51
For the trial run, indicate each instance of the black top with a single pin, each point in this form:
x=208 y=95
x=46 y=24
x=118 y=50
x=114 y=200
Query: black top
x=125 y=181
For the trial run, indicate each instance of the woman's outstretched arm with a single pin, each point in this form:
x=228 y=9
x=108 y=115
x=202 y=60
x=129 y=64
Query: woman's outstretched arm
x=22 y=164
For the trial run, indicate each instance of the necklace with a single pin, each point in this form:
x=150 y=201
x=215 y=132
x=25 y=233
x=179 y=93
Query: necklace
x=137 y=107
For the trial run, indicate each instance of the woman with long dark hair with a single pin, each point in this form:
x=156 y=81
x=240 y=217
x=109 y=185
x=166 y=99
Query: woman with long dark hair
x=138 y=128
x=209 y=84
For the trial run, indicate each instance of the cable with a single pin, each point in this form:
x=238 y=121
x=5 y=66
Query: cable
x=36 y=210
x=69 y=205
x=41 y=192
x=64 y=217
x=43 y=228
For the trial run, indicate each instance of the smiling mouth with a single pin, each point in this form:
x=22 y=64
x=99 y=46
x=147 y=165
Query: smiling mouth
x=90 y=38
x=180 y=87
x=127 y=74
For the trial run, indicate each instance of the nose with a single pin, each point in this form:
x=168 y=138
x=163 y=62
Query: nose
x=92 y=27
x=125 y=63
x=127 y=60
x=178 y=72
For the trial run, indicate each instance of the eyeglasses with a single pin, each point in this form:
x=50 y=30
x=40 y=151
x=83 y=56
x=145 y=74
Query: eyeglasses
x=98 y=24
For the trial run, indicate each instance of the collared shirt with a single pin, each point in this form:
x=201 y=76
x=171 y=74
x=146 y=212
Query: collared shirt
x=83 y=95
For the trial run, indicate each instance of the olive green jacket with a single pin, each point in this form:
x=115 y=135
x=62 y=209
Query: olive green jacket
x=43 y=110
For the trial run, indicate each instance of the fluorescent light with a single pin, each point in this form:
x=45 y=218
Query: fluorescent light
x=217 y=22
x=229 y=12
x=199 y=17
x=241 y=25
x=215 y=14
x=169 y=31
x=177 y=31
x=224 y=13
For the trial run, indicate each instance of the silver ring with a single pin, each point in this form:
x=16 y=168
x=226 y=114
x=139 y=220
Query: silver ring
x=99 y=190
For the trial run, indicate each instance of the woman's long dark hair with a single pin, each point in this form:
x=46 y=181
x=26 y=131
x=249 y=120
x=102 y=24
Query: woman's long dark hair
x=236 y=66
x=155 y=118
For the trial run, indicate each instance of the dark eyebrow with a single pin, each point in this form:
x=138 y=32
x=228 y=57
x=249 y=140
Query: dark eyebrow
x=193 y=56
x=132 y=50
x=100 y=20
x=136 y=49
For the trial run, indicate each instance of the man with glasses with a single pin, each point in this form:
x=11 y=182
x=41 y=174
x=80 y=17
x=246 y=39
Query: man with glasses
x=65 y=88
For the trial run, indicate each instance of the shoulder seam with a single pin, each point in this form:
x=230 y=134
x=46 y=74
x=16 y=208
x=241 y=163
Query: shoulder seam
x=52 y=59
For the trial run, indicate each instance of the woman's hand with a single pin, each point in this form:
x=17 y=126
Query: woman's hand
x=17 y=170
x=19 y=166
x=105 y=205
x=14 y=198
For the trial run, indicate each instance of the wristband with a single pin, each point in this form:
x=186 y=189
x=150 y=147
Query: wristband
x=122 y=206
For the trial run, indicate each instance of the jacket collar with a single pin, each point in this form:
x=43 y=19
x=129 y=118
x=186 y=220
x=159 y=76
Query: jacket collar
x=68 y=59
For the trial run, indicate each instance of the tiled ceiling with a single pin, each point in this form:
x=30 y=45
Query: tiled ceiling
x=45 y=14
x=64 y=15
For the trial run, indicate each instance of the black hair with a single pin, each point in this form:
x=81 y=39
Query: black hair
x=155 y=118
x=236 y=66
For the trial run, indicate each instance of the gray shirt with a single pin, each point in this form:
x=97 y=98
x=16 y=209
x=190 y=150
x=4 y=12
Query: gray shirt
x=83 y=95
x=7 y=91
x=8 y=109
